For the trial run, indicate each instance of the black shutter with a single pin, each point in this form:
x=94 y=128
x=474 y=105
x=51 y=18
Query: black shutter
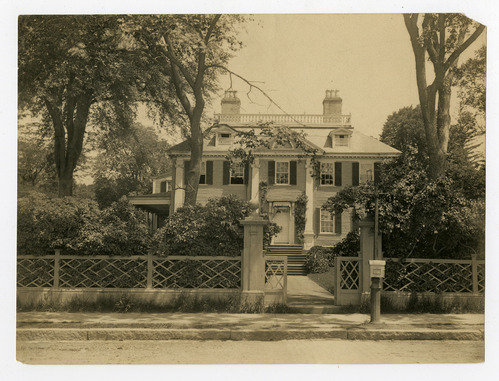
x=271 y=173
x=246 y=173
x=377 y=172
x=355 y=174
x=209 y=172
x=292 y=172
x=317 y=221
x=337 y=174
x=187 y=164
x=226 y=173
x=337 y=223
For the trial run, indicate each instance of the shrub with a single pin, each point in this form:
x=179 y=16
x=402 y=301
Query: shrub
x=348 y=247
x=317 y=260
x=210 y=230
x=77 y=226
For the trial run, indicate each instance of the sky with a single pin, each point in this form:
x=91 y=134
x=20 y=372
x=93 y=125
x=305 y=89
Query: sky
x=295 y=58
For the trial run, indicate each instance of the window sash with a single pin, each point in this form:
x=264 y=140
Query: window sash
x=202 y=173
x=237 y=173
x=366 y=173
x=327 y=174
x=341 y=140
x=327 y=222
x=282 y=172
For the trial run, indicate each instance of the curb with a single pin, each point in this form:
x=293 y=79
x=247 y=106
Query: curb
x=121 y=334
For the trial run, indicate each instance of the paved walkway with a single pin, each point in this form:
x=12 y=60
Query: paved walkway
x=49 y=326
x=306 y=296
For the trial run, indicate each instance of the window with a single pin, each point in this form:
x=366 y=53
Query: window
x=237 y=173
x=164 y=186
x=224 y=138
x=366 y=173
x=282 y=172
x=327 y=172
x=341 y=140
x=202 y=173
x=327 y=222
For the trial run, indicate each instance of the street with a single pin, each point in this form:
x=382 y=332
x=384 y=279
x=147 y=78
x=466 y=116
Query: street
x=249 y=352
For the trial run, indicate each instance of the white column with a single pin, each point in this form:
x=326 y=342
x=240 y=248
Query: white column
x=309 y=215
x=255 y=180
x=179 y=184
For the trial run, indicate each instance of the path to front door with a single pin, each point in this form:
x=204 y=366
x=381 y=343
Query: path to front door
x=306 y=296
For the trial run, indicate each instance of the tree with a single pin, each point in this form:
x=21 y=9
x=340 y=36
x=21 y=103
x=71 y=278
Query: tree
x=129 y=160
x=71 y=67
x=443 y=37
x=192 y=49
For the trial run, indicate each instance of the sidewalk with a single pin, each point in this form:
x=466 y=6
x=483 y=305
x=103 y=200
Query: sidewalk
x=63 y=326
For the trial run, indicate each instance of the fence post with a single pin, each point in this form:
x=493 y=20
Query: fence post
x=474 y=269
x=253 y=261
x=337 y=279
x=56 y=267
x=149 y=270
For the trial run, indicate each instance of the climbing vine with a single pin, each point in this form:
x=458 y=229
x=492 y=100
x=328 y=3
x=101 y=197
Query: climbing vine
x=300 y=219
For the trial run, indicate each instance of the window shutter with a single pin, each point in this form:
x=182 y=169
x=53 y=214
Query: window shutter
x=317 y=174
x=271 y=173
x=355 y=174
x=292 y=172
x=187 y=164
x=377 y=171
x=337 y=223
x=337 y=174
x=246 y=173
x=317 y=221
x=226 y=173
x=209 y=172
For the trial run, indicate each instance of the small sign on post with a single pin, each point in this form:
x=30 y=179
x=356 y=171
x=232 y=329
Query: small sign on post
x=376 y=272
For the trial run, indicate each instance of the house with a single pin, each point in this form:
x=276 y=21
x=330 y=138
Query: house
x=346 y=157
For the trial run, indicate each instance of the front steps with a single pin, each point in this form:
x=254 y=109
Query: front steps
x=296 y=258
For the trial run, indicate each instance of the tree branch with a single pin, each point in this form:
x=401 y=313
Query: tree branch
x=169 y=52
x=456 y=53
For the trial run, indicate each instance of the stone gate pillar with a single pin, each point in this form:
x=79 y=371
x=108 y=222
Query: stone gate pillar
x=253 y=261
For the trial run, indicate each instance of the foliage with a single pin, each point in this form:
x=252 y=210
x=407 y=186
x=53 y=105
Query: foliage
x=77 y=226
x=76 y=70
x=300 y=212
x=210 y=230
x=417 y=216
x=347 y=247
x=442 y=38
x=192 y=51
x=128 y=162
x=318 y=260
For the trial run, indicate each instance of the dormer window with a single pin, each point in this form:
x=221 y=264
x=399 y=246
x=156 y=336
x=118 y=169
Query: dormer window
x=165 y=186
x=341 y=140
x=224 y=138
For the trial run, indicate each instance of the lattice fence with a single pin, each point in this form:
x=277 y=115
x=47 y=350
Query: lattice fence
x=423 y=275
x=197 y=272
x=275 y=272
x=139 y=272
x=34 y=271
x=349 y=271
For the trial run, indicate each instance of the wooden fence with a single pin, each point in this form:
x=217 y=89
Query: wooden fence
x=405 y=276
x=134 y=272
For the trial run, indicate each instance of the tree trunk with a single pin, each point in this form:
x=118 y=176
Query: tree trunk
x=191 y=189
x=66 y=184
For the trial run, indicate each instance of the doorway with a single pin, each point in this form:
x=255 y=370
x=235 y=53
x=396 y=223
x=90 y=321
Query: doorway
x=281 y=218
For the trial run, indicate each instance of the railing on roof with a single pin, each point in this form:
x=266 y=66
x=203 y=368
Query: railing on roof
x=290 y=119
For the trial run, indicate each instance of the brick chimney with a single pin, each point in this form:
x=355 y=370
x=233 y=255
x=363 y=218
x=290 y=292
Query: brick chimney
x=231 y=105
x=332 y=103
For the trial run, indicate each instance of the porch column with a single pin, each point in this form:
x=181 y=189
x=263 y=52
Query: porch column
x=255 y=180
x=253 y=261
x=179 y=185
x=309 y=214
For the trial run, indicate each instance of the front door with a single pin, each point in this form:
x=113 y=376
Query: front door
x=281 y=218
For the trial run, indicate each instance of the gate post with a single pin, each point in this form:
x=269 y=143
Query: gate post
x=253 y=261
x=366 y=254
